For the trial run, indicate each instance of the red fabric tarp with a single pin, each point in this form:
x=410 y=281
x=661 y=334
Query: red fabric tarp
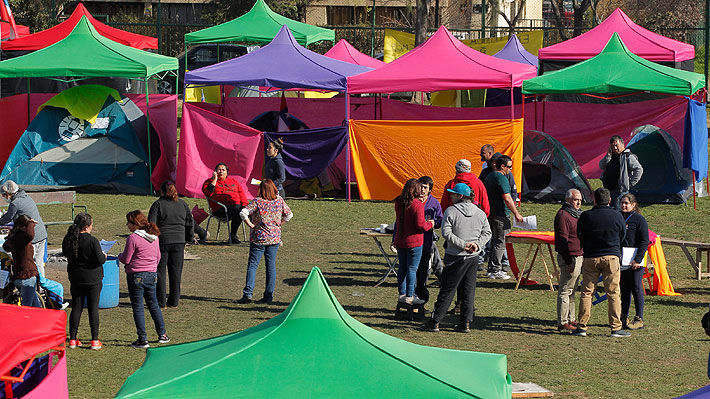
x=207 y=139
x=28 y=331
x=163 y=118
x=640 y=41
x=442 y=63
x=22 y=30
x=58 y=32
x=584 y=129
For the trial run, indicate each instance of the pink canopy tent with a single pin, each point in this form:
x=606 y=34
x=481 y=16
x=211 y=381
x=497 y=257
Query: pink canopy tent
x=344 y=51
x=442 y=63
x=640 y=41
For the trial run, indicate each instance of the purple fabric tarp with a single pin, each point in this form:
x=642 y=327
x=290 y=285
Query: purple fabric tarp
x=308 y=152
x=283 y=64
x=514 y=51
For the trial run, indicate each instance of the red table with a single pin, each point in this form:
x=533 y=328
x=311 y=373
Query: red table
x=536 y=239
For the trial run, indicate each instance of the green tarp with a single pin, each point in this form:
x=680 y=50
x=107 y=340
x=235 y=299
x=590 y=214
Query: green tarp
x=314 y=349
x=86 y=53
x=259 y=25
x=616 y=70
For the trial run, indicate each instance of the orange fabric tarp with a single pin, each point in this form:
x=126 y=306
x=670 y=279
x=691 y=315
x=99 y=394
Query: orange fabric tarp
x=661 y=281
x=385 y=154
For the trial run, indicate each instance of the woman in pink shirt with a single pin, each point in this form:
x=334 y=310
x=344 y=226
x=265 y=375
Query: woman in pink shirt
x=140 y=257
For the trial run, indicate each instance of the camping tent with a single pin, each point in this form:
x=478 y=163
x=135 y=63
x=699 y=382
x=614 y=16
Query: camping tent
x=616 y=70
x=82 y=137
x=642 y=42
x=314 y=349
x=26 y=333
x=345 y=51
x=549 y=170
x=259 y=25
x=664 y=179
x=300 y=68
x=22 y=30
x=58 y=32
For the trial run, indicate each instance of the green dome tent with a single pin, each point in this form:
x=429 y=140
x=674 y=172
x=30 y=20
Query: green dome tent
x=314 y=349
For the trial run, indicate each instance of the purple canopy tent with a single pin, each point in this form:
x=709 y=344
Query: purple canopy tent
x=282 y=64
x=514 y=51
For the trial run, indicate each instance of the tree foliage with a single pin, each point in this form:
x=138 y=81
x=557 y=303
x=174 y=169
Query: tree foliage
x=674 y=19
x=34 y=14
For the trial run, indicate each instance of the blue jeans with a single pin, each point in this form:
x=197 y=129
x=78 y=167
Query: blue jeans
x=28 y=292
x=141 y=286
x=407 y=274
x=255 y=253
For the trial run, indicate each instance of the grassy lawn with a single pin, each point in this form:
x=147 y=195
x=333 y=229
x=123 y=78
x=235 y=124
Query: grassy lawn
x=665 y=359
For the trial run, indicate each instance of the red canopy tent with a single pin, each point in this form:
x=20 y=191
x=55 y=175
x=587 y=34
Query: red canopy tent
x=638 y=40
x=26 y=333
x=22 y=30
x=345 y=51
x=56 y=33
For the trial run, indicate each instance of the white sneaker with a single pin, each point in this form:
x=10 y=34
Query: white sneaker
x=402 y=299
x=417 y=301
x=501 y=275
x=490 y=275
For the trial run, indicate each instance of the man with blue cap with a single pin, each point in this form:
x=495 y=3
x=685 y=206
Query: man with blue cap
x=466 y=230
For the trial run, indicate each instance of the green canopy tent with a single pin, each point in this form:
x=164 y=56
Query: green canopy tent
x=314 y=349
x=259 y=25
x=85 y=53
x=616 y=70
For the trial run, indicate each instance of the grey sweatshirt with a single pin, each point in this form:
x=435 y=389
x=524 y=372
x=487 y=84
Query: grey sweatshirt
x=464 y=222
x=22 y=204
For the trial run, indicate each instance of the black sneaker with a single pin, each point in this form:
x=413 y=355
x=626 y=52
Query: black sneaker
x=265 y=300
x=463 y=327
x=244 y=299
x=579 y=332
x=163 y=339
x=620 y=334
x=431 y=326
x=140 y=344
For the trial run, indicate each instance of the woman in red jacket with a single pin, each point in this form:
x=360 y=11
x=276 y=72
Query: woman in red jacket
x=409 y=238
x=227 y=190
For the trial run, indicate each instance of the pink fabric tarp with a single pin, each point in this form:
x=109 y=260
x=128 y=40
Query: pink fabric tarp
x=344 y=51
x=640 y=41
x=54 y=385
x=442 y=63
x=584 y=129
x=207 y=139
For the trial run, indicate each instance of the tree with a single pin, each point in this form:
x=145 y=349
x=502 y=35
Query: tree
x=517 y=7
x=682 y=17
x=578 y=20
x=421 y=23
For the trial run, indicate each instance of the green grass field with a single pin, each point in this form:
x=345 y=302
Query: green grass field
x=666 y=359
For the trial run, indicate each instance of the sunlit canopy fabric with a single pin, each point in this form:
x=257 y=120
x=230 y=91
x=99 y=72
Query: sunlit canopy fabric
x=28 y=331
x=259 y=25
x=86 y=53
x=56 y=33
x=22 y=30
x=283 y=63
x=344 y=51
x=616 y=70
x=640 y=41
x=388 y=153
x=442 y=63
x=514 y=51
x=315 y=350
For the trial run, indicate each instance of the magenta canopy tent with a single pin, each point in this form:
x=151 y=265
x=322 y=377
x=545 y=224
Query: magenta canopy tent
x=442 y=63
x=638 y=40
x=344 y=51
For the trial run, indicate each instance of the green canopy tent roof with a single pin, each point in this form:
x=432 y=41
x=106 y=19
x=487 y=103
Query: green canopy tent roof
x=86 y=53
x=259 y=25
x=314 y=349
x=616 y=70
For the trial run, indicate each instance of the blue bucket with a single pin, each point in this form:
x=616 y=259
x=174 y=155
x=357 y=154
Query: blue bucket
x=110 y=282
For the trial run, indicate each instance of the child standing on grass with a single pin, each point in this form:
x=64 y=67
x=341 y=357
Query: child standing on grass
x=140 y=257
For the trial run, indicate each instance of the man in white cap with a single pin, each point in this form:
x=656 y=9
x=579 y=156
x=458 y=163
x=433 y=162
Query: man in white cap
x=466 y=230
x=464 y=175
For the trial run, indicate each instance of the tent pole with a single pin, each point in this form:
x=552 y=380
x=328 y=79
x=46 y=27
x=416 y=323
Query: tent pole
x=694 y=205
x=522 y=105
x=512 y=103
x=543 y=115
x=535 y=108
x=347 y=154
x=28 y=101
x=147 y=131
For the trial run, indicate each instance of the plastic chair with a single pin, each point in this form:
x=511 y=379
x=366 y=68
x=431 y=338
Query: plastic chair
x=221 y=219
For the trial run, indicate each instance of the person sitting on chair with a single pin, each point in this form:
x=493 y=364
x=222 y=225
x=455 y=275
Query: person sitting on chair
x=24 y=269
x=227 y=190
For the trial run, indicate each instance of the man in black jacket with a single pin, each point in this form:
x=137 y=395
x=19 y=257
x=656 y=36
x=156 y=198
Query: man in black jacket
x=601 y=231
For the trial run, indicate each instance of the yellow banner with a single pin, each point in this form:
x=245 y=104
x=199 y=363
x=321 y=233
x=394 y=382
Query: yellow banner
x=397 y=43
x=385 y=154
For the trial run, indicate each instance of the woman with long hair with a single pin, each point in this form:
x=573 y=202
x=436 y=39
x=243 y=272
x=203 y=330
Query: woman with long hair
x=140 y=257
x=274 y=169
x=409 y=238
x=264 y=215
x=631 y=283
x=225 y=189
x=85 y=261
x=24 y=269
x=174 y=219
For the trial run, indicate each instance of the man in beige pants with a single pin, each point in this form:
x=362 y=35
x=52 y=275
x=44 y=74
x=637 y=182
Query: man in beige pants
x=569 y=258
x=601 y=231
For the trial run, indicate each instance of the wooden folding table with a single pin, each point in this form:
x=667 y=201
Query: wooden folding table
x=536 y=239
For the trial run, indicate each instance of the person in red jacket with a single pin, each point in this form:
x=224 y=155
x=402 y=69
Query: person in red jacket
x=409 y=238
x=227 y=190
x=478 y=190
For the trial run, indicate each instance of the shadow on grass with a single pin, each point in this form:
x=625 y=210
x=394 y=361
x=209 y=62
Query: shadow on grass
x=366 y=311
x=529 y=325
x=511 y=284
x=373 y=254
x=675 y=302
x=359 y=262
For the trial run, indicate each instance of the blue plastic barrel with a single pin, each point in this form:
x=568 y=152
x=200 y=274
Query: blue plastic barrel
x=109 y=290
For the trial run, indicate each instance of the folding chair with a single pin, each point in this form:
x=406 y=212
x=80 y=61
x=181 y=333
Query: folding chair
x=221 y=219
